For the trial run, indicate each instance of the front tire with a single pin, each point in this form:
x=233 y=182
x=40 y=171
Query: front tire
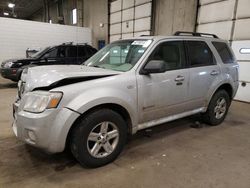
x=217 y=109
x=98 y=138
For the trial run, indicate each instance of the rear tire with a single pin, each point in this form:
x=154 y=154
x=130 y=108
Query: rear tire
x=217 y=108
x=98 y=138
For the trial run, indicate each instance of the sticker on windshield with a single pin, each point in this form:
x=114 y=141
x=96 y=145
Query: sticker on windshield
x=147 y=43
x=143 y=43
x=139 y=42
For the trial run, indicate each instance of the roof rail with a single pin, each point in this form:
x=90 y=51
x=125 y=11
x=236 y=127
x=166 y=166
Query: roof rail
x=67 y=43
x=83 y=43
x=185 y=33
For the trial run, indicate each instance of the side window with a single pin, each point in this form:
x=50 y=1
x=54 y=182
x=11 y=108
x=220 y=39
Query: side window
x=224 y=52
x=199 y=54
x=91 y=51
x=172 y=53
x=71 y=51
x=81 y=50
x=61 y=51
x=51 y=53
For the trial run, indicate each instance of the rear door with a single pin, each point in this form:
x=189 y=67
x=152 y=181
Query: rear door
x=164 y=94
x=230 y=66
x=204 y=71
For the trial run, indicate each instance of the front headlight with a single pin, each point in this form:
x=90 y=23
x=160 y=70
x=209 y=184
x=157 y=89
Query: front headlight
x=8 y=64
x=38 y=101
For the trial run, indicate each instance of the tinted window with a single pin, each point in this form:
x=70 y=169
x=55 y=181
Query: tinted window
x=61 y=51
x=51 y=53
x=91 y=51
x=224 y=52
x=172 y=53
x=71 y=51
x=81 y=51
x=199 y=54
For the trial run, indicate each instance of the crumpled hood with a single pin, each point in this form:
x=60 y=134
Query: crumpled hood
x=45 y=76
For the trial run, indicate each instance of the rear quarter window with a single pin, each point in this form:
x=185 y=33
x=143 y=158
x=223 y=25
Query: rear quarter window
x=81 y=51
x=91 y=51
x=224 y=52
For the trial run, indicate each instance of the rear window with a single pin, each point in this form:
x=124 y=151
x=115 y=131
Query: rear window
x=91 y=51
x=81 y=51
x=224 y=52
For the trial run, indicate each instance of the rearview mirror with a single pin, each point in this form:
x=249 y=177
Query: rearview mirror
x=154 y=66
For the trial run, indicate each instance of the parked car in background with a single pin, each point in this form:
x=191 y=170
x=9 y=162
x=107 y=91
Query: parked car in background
x=66 y=53
x=129 y=85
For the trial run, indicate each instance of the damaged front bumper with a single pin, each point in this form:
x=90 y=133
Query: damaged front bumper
x=47 y=130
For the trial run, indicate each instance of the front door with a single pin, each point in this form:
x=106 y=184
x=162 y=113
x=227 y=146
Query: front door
x=164 y=94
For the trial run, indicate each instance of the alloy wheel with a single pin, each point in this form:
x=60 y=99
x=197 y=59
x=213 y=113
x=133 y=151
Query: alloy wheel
x=220 y=108
x=103 y=139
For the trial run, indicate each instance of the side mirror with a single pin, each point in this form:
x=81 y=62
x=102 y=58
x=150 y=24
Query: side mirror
x=154 y=66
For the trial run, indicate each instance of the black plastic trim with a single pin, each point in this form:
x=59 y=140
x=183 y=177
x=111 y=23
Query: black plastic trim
x=67 y=81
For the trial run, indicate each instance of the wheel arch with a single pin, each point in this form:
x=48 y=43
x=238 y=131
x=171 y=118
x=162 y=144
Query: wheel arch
x=225 y=86
x=113 y=106
x=228 y=88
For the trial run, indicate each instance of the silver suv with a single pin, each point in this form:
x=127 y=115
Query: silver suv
x=127 y=86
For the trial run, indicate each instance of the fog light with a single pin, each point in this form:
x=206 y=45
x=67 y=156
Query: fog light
x=31 y=135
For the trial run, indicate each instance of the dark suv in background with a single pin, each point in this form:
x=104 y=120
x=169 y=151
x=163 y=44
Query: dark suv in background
x=66 y=53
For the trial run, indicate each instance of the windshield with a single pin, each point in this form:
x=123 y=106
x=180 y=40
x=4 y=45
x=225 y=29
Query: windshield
x=120 y=55
x=41 y=52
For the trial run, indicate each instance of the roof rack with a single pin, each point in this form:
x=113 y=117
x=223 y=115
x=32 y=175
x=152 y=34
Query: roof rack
x=83 y=43
x=67 y=43
x=187 y=33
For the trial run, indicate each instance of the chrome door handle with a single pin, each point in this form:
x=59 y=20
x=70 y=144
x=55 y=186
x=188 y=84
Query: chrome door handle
x=214 y=72
x=179 y=78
